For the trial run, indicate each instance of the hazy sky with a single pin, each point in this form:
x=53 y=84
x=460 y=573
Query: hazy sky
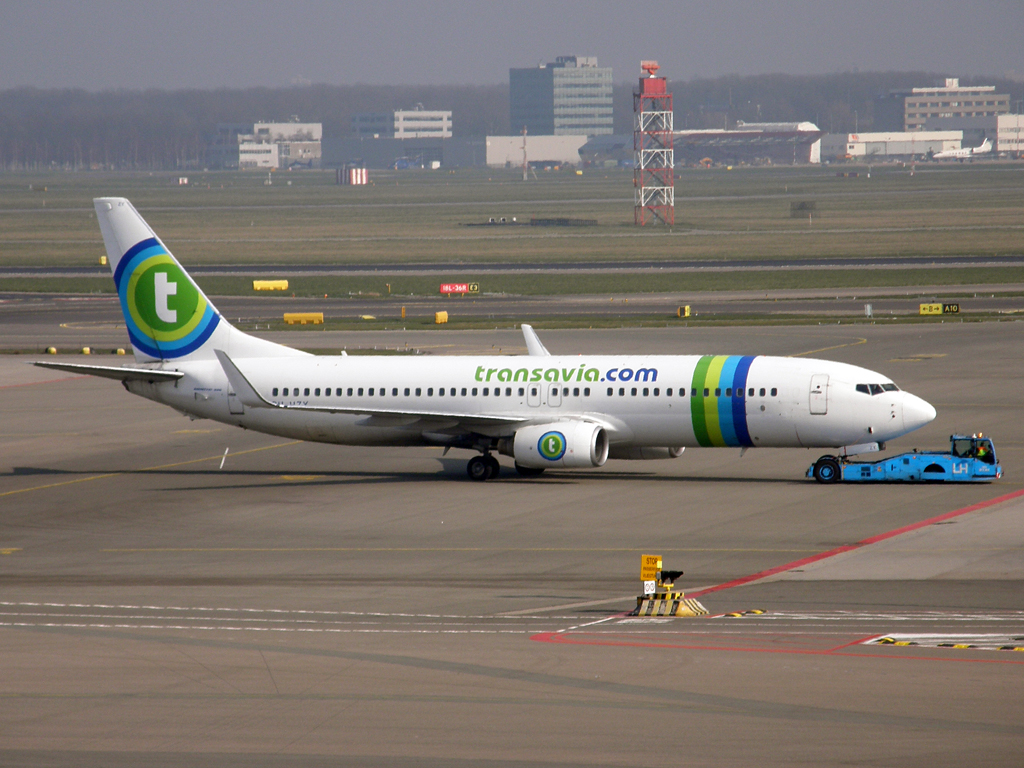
x=103 y=44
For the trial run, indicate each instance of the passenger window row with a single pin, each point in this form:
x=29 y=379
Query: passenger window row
x=693 y=392
x=408 y=392
x=520 y=391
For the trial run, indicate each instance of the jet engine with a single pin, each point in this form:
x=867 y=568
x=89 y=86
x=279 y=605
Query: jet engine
x=562 y=444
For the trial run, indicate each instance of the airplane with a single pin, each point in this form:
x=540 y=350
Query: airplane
x=963 y=154
x=543 y=410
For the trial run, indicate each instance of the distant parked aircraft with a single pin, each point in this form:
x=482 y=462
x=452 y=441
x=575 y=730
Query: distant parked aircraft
x=964 y=154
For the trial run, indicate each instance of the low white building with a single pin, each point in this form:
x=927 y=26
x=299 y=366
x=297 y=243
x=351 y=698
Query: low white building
x=507 y=151
x=281 y=146
x=292 y=131
x=1010 y=134
x=256 y=156
x=879 y=146
x=422 y=124
x=299 y=154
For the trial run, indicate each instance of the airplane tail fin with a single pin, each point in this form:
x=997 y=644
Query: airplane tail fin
x=167 y=315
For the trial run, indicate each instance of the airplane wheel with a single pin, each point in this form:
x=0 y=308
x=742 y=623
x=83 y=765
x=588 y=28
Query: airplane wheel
x=478 y=468
x=826 y=470
x=529 y=471
x=494 y=468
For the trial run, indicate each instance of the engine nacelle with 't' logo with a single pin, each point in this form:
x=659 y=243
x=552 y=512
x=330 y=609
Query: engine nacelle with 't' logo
x=561 y=444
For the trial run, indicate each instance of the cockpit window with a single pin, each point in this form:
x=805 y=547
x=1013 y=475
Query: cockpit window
x=877 y=389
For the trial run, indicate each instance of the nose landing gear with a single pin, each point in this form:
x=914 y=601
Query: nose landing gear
x=483 y=467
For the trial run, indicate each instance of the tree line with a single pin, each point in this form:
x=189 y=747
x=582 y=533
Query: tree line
x=162 y=130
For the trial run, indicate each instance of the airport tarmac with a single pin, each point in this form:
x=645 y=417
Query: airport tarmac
x=323 y=605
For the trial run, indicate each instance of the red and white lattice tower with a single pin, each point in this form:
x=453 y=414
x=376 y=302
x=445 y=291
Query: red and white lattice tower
x=654 y=194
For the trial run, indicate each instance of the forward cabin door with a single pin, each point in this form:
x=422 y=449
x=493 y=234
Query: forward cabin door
x=554 y=395
x=533 y=394
x=819 y=394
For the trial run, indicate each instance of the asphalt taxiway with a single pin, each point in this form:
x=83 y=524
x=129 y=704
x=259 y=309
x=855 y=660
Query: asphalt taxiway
x=35 y=321
x=322 y=605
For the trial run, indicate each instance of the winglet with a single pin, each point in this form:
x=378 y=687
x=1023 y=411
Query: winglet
x=245 y=391
x=533 y=345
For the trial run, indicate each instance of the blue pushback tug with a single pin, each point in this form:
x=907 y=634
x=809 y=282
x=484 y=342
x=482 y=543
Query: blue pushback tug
x=970 y=459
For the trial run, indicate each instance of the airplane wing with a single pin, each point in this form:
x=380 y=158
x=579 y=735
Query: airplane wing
x=114 y=372
x=249 y=396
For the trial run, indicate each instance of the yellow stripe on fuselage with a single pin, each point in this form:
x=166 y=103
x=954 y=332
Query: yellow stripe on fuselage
x=712 y=381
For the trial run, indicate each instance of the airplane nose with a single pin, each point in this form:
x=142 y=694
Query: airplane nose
x=916 y=412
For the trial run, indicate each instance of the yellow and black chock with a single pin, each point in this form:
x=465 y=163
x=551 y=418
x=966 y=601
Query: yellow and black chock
x=658 y=598
x=668 y=604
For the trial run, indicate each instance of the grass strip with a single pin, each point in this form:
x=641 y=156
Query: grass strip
x=562 y=284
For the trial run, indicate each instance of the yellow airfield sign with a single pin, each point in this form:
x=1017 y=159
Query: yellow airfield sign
x=650 y=565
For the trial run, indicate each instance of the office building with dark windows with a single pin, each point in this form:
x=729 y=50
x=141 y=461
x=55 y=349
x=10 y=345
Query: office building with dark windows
x=570 y=97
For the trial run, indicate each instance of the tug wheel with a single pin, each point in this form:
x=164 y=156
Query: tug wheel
x=826 y=470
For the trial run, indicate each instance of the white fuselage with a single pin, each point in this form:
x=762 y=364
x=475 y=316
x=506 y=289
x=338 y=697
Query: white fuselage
x=656 y=400
x=963 y=154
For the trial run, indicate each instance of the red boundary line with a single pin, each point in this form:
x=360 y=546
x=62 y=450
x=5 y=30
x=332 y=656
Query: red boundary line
x=743 y=580
x=572 y=638
x=858 y=641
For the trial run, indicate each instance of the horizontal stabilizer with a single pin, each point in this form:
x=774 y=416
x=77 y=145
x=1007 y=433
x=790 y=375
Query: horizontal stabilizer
x=114 y=372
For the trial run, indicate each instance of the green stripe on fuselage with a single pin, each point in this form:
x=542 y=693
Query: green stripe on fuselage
x=710 y=403
x=697 y=411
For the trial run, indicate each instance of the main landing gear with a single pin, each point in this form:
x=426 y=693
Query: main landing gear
x=483 y=467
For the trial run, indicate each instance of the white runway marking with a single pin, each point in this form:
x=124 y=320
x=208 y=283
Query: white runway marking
x=241 y=628
x=276 y=611
x=207 y=619
x=1006 y=627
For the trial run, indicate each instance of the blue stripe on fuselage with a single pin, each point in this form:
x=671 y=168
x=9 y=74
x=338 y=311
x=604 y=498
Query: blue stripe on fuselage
x=725 y=409
x=739 y=409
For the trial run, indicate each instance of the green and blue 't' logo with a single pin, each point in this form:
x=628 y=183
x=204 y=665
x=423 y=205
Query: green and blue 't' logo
x=551 y=445
x=167 y=316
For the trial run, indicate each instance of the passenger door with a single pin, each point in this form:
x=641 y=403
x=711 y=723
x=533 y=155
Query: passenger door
x=554 y=395
x=819 y=394
x=533 y=394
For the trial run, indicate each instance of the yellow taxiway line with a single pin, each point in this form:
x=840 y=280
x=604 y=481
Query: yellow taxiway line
x=144 y=469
